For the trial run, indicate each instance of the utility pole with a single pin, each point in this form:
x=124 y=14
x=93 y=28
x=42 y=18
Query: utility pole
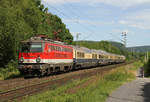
x=147 y=56
x=77 y=37
x=146 y=61
x=124 y=34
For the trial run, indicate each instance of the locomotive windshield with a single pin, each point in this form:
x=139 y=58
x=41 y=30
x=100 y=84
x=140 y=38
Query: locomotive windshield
x=31 y=47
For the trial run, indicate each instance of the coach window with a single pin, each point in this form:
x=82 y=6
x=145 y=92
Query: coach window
x=59 y=48
x=51 y=48
x=65 y=49
x=104 y=57
x=78 y=54
x=56 y=48
x=100 y=56
x=70 y=50
x=82 y=55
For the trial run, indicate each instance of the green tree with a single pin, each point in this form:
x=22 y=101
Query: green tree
x=21 y=19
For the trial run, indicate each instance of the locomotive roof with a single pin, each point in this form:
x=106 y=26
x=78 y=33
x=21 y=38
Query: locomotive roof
x=39 y=39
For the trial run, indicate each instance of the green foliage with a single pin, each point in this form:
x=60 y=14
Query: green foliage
x=116 y=76
x=10 y=71
x=21 y=19
x=147 y=69
x=147 y=66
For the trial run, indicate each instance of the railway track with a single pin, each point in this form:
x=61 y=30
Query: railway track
x=18 y=93
x=15 y=83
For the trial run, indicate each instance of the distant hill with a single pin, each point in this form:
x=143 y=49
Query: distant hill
x=118 y=45
x=139 y=49
x=131 y=49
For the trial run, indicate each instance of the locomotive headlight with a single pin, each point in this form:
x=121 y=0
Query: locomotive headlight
x=21 y=60
x=38 y=60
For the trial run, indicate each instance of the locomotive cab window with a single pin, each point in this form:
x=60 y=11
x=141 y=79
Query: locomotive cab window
x=36 y=47
x=31 y=47
x=25 y=48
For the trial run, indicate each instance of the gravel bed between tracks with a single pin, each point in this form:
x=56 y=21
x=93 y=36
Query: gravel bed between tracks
x=29 y=90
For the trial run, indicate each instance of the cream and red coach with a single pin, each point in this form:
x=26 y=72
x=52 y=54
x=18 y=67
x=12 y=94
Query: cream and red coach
x=42 y=56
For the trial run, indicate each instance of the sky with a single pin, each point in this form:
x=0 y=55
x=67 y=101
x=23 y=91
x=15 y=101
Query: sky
x=98 y=20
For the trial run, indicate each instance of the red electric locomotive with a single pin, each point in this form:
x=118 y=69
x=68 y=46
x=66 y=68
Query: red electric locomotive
x=40 y=56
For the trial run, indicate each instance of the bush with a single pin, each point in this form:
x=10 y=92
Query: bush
x=147 y=68
x=10 y=71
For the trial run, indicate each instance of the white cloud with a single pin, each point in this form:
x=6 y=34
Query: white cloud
x=124 y=3
x=123 y=22
x=89 y=22
x=140 y=20
x=119 y=31
x=117 y=3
